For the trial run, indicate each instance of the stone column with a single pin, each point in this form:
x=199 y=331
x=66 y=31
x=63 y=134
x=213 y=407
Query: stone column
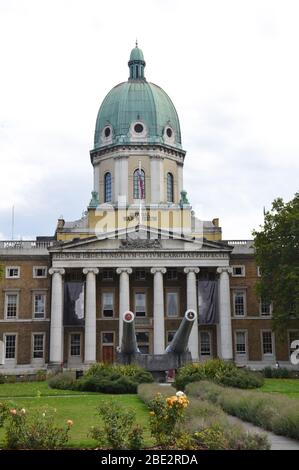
x=224 y=334
x=90 y=315
x=159 y=325
x=56 y=329
x=192 y=303
x=124 y=296
x=96 y=180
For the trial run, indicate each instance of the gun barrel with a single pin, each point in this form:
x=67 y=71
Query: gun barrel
x=129 y=343
x=179 y=343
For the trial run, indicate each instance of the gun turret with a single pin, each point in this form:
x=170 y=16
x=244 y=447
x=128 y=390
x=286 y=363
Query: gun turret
x=179 y=343
x=129 y=343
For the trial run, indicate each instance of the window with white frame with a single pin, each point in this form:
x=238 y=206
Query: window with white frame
x=39 y=305
x=39 y=271
x=238 y=271
x=108 y=304
x=75 y=349
x=140 y=304
x=38 y=346
x=293 y=336
x=241 y=346
x=267 y=342
x=12 y=272
x=11 y=305
x=142 y=338
x=10 y=346
x=239 y=303
x=265 y=308
x=172 y=307
x=205 y=343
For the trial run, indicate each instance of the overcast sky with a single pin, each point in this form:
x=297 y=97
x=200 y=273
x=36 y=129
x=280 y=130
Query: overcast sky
x=230 y=66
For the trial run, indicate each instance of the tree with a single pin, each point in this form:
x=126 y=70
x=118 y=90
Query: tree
x=277 y=255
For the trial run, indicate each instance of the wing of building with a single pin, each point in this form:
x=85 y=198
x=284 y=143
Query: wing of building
x=139 y=246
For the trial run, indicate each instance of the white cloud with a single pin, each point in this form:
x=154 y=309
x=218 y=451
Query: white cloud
x=230 y=67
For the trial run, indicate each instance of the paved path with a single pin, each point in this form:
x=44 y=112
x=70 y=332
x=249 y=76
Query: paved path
x=277 y=442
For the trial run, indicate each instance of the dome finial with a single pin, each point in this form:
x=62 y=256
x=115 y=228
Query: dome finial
x=136 y=43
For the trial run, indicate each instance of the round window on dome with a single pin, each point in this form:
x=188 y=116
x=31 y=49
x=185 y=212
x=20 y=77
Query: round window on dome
x=169 y=132
x=107 y=132
x=138 y=128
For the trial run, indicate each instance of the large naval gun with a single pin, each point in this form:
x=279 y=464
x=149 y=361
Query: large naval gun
x=175 y=355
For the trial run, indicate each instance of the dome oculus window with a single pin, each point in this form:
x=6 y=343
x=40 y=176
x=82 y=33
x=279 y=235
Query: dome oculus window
x=107 y=132
x=138 y=128
x=169 y=132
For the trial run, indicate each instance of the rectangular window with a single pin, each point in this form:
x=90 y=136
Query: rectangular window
x=239 y=303
x=39 y=271
x=265 y=308
x=38 y=346
x=39 y=301
x=142 y=338
x=75 y=344
x=10 y=346
x=267 y=342
x=140 y=275
x=140 y=304
x=172 y=274
x=205 y=343
x=108 y=304
x=241 y=342
x=107 y=337
x=12 y=272
x=172 y=304
x=108 y=275
x=238 y=271
x=11 y=305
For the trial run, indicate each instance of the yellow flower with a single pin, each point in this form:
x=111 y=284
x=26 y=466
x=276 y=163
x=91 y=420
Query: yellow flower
x=69 y=422
x=152 y=413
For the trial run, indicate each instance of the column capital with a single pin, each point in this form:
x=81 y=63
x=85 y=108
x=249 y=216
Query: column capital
x=158 y=270
x=191 y=270
x=124 y=270
x=91 y=270
x=224 y=269
x=60 y=271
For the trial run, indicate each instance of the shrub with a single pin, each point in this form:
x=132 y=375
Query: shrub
x=279 y=373
x=11 y=379
x=41 y=375
x=35 y=431
x=4 y=412
x=241 y=378
x=119 y=430
x=107 y=384
x=2 y=379
x=166 y=416
x=62 y=381
x=276 y=413
x=219 y=371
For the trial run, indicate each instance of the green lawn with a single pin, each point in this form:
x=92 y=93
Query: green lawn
x=289 y=387
x=81 y=409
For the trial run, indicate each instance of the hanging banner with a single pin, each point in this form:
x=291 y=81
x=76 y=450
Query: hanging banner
x=207 y=302
x=74 y=303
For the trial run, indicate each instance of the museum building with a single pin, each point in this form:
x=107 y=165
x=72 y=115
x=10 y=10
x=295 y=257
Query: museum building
x=139 y=246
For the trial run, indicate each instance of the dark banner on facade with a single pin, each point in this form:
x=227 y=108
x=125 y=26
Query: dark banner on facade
x=207 y=302
x=74 y=303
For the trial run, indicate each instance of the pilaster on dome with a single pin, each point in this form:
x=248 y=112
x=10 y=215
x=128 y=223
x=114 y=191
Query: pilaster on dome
x=136 y=64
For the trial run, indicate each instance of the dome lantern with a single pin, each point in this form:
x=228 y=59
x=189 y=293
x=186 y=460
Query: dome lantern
x=136 y=64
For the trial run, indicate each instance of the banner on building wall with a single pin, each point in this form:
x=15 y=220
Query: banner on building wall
x=207 y=302
x=74 y=303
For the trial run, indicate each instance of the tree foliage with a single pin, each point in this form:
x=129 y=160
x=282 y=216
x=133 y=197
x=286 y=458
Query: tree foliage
x=277 y=255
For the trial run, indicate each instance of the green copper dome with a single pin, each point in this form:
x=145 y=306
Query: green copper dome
x=137 y=111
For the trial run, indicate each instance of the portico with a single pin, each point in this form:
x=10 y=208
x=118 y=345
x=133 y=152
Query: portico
x=92 y=258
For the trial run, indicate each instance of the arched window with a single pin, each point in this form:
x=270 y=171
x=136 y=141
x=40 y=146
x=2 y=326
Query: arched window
x=139 y=184
x=108 y=187
x=170 y=192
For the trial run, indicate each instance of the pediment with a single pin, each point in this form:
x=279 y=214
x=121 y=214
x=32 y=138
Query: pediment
x=140 y=238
